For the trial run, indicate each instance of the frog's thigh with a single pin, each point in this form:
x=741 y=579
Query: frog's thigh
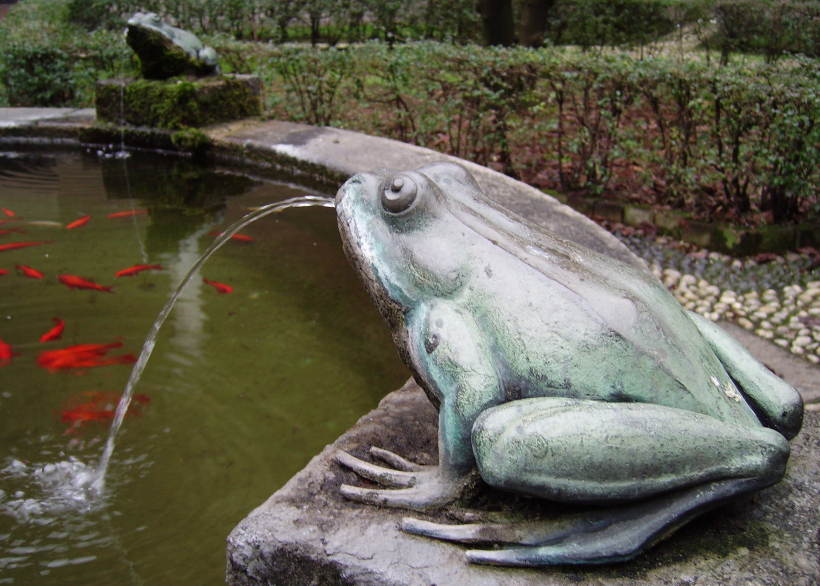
x=776 y=401
x=590 y=451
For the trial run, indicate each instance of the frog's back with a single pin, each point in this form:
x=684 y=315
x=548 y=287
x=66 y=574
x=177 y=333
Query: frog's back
x=567 y=321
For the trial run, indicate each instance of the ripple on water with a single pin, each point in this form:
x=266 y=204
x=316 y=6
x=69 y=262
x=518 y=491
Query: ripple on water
x=44 y=491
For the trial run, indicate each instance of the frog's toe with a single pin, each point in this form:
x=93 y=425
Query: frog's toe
x=523 y=556
x=464 y=533
x=395 y=460
x=569 y=552
x=384 y=476
x=529 y=533
x=403 y=498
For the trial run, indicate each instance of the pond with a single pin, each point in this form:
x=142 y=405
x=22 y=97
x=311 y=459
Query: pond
x=243 y=387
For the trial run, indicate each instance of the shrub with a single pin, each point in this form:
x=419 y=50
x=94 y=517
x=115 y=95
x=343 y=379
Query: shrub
x=37 y=75
x=732 y=142
x=314 y=77
x=598 y=23
x=770 y=27
x=46 y=62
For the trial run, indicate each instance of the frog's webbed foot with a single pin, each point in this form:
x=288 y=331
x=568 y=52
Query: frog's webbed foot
x=606 y=536
x=407 y=485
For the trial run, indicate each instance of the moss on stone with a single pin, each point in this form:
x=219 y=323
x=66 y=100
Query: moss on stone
x=191 y=139
x=178 y=103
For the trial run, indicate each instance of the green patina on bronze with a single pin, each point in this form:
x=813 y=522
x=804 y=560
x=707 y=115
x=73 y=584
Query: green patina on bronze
x=558 y=373
x=166 y=51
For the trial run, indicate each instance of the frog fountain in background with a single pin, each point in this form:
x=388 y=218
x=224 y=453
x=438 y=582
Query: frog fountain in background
x=558 y=373
x=166 y=51
x=181 y=88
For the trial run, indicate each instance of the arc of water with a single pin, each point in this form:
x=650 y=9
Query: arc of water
x=98 y=483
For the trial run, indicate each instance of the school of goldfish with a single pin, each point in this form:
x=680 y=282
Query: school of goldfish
x=78 y=358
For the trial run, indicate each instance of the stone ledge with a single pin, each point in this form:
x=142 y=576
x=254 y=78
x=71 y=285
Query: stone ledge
x=307 y=534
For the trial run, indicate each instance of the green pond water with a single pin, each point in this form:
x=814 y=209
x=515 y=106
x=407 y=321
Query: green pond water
x=241 y=391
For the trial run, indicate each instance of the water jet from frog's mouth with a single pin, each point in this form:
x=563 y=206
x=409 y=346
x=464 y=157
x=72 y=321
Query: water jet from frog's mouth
x=84 y=483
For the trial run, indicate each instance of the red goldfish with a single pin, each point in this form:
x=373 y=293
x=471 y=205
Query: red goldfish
x=99 y=406
x=137 y=269
x=127 y=213
x=220 y=287
x=238 y=237
x=3 y=272
x=16 y=245
x=82 y=356
x=9 y=213
x=54 y=333
x=6 y=353
x=78 y=222
x=29 y=272
x=12 y=230
x=74 y=282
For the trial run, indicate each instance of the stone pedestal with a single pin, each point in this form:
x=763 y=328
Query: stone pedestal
x=178 y=103
x=307 y=534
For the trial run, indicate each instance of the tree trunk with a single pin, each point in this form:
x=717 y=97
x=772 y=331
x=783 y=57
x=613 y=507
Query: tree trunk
x=497 y=20
x=532 y=21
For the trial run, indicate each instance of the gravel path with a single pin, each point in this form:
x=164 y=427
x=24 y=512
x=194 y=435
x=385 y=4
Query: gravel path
x=775 y=296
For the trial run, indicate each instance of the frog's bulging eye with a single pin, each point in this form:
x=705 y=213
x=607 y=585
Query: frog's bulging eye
x=399 y=193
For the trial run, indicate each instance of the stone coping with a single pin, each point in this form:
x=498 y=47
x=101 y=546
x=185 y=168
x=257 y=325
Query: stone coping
x=306 y=533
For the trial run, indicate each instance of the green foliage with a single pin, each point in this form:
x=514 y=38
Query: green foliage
x=735 y=142
x=37 y=75
x=191 y=139
x=44 y=61
x=313 y=77
x=770 y=27
x=599 y=23
x=94 y=14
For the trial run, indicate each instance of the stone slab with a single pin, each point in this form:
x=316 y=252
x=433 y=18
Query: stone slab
x=20 y=117
x=307 y=534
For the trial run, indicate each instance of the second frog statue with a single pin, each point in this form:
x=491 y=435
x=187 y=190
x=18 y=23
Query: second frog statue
x=558 y=373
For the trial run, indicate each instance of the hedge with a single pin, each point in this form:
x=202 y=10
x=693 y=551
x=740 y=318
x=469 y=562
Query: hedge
x=736 y=142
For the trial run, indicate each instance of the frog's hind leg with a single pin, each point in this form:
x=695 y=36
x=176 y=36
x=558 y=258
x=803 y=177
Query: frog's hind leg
x=775 y=401
x=673 y=464
x=610 y=536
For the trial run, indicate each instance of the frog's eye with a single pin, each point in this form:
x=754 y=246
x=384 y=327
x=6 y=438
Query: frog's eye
x=399 y=193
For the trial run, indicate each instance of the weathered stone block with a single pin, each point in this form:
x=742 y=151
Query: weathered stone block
x=700 y=233
x=179 y=103
x=609 y=210
x=636 y=215
x=668 y=220
x=306 y=533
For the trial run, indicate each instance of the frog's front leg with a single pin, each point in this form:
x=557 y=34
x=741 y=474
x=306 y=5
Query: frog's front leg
x=673 y=464
x=454 y=363
x=775 y=401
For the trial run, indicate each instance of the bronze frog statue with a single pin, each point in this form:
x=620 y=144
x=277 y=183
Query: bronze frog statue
x=558 y=373
x=167 y=51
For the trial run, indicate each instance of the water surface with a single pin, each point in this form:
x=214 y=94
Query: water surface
x=243 y=388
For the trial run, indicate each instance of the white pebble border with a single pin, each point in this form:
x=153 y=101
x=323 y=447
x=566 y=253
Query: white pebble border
x=789 y=317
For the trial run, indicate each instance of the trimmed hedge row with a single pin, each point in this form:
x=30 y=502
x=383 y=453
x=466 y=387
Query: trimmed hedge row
x=738 y=143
